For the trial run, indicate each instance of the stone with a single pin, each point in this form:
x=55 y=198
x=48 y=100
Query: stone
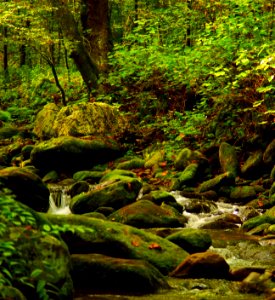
x=26 y=186
x=198 y=206
x=202 y=265
x=78 y=188
x=191 y=240
x=117 y=240
x=216 y=182
x=134 y=163
x=256 y=221
x=97 y=273
x=186 y=177
x=269 y=154
x=146 y=214
x=154 y=159
x=90 y=176
x=186 y=156
x=224 y=221
x=70 y=153
x=114 y=193
x=228 y=159
x=78 y=120
x=252 y=167
x=243 y=194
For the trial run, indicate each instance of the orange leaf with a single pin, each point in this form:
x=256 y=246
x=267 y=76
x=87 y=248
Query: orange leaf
x=163 y=164
x=155 y=246
x=135 y=243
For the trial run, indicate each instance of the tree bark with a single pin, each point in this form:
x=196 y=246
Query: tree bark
x=95 y=21
x=76 y=48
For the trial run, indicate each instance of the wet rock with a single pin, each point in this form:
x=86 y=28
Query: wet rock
x=252 y=167
x=27 y=187
x=199 y=206
x=186 y=157
x=241 y=273
x=117 y=240
x=202 y=265
x=242 y=194
x=70 y=153
x=269 y=154
x=78 y=120
x=96 y=215
x=186 y=177
x=228 y=159
x=216 y=182
x=256 y=283
x=191 y=240
x=224 y=221
x=146 y=214
x=117 y=174
x=113 y=193
x=256 y=221
x=100 y=273
x=78 y=188
x=50 y=177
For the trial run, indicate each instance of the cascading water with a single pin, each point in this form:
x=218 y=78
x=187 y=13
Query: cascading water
x=59 y=199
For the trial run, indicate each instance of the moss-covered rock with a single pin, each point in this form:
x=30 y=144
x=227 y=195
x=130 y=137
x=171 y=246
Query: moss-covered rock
x=186 y=156
x=78 y=188
x=134 y=163
x=26 y=186
x=117 y=174
x=186 y=177
x=78 y=120
x=191 y=240
x=118 y=240
x=243 y=193
x=70 y=153
x=97 y=273
x=228 y=159
x=216 y=182
x=269 y=154
x=252 y=166
x=154 y=158
x=50 y=177
x=259 y=220
x=90 y=176
x=113 y=193
x=146 y=214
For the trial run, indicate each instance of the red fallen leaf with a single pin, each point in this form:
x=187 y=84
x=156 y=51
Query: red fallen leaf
x=163 y=164
x=135 y=243
x=260 y=203
x=164 y=173
x=155 y=246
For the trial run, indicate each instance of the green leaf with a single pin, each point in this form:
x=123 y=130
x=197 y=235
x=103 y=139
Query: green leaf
x=35 y=273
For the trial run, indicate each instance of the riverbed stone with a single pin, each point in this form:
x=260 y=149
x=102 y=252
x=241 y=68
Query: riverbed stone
x=117 y=174
x=216 y=182
x=243 y=194
x=191 y=240
x=187 y=156
x=198 y=206
x=228 y=159
x=134 y=163
x=186 y=177
x=252 y=167
x=202 y=265
x=95 y=273
x=70 y=153
x=78 y=188
x=26 y=186
x=114 y=193
x=117 y=240
x=269 y=154
x=89 y=176
x=77 y=120
x=256 y=221
x=224 y=221
x=146 y=214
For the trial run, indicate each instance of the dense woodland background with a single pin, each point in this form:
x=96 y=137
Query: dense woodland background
x=191 y=64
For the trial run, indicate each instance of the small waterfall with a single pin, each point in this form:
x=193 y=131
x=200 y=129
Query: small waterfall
x=59 y=199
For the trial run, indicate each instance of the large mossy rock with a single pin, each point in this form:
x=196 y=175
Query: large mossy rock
x=70 y=153
x=30 y=255
x=97 y=273
x=78 y=120
x=269 y=154
x=26 y=186
x=117 y=240
x=228 y=159
x=146 y=214
x=252 y=167
x=216 y=182
x=115 y=193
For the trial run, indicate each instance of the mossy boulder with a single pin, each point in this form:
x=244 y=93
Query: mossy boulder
x=191 y=240
x=243 y=194
x=78 y=188
x=253 y=165
x=70 y=153
x=187 y=156
x=26 y=186
x=146 y=214
x=114 y=193
x=216 y=182
x=154 y=158
x=97 y=273
x=90 y=176
x=269 y=154
x=78 y=120
x=228 y=159
x=134 y=163
x=256 y=221
x=117 y=174
x=186 y=177
x=117 y=240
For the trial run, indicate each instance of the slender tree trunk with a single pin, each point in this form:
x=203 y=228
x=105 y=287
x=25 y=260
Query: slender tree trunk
x=5 y=50
x=96 y=27
x=77 y=50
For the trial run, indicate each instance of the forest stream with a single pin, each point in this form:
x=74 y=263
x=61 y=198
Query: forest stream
x=238 y=249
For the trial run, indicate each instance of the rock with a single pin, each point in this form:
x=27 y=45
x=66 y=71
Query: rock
x=27 y=187
x=243 y=194
x=269 y=154
x=134 y=163
x=117 y=175
x=216 y=182
x=186 y=157
x=256 y=221
x=113 y=193
x=146 y=214
x=117 y=240
x=191 y=240
x=186 y=177
x=256 y=283
x=241 y=273
x=31 y=255
x=202 y=265
x=224 y=221
x=228 y=159
x=78 y=120
x=70 y=153
x=78 y=188
x=90 y=176
x=252 y=167
x=8 y=132
x=50 y=177
x=97 y=273
x=198 y=206
x=154 y=159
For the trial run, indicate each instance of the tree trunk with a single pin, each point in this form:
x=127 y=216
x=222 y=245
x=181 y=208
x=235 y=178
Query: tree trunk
x=95 y=21
x=77 y=50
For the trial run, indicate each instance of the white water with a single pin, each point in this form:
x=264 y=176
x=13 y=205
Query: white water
x=59 y=199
